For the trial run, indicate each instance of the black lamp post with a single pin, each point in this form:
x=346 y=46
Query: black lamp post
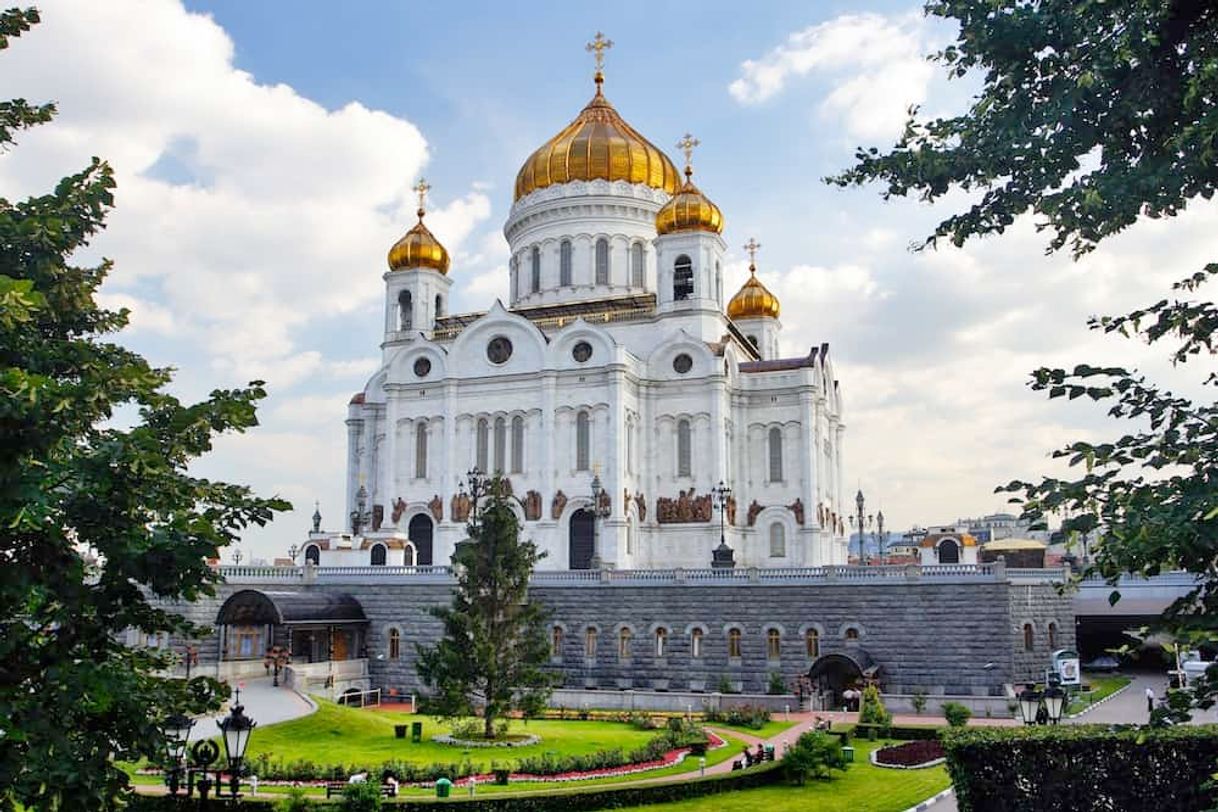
x=862 y=522
x=277 y=657
x=361 y=517
x=600 y=510
x=293 y=551
x=176 y=729
x=1041 y=707
x=235 y=731
x=722 y=557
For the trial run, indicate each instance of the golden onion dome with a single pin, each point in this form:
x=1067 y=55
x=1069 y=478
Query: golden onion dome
x=598 y=144
x=418 y=247
x=689 y=209
x=753 y=300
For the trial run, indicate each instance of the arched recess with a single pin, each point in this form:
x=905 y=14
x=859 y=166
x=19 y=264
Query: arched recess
x=312 y=554
x=377 y=556
x=580 y=539
x=949 y=552
x=421 y=531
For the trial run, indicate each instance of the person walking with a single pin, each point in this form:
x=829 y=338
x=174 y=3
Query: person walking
x=1150 y=699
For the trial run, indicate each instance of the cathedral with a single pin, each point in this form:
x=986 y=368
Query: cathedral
x=643 y=419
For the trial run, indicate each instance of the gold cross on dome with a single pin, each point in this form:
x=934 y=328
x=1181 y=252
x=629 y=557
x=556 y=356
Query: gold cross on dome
x=751 y=246
x=421 y=189
x=598 y=46
x=686 y=145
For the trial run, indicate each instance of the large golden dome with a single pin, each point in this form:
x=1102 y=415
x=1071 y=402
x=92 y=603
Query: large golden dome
x=598 y=144
x=418 y=247
x=754 y=299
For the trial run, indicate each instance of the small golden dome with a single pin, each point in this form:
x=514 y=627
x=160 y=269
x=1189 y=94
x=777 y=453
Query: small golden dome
x=753 y=300
x=598 y=144
x=418 y=247
x=689 y=209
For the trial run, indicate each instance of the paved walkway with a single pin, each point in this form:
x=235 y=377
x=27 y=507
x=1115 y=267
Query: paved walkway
x=264 y=703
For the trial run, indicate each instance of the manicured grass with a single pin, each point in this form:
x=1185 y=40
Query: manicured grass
x=768 y=731
x=863 y=788
x=349 y=736
x=1102 y=686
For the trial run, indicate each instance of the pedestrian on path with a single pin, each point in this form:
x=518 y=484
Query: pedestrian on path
x=1150 y=699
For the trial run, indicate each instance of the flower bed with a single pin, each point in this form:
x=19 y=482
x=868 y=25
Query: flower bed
x=910 y=755
x=517 y=741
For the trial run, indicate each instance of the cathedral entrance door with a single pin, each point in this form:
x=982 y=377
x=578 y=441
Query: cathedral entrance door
x=580 y=540
x=420 y=531
x=949 y=553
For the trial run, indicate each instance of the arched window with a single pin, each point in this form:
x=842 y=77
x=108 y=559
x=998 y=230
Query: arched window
x=778 y=540
x=378 y=555
x=483 y=442
x=582 y=442
x=753 y=341
x=684 y=466
x=556 y=641
x=852 y=633
x=517 y=444
x=535 y=276
x=812 y=644
x=312 y=554
x=405 y=310
x=773 y=644
x=500 y=444
x=733 y=643
x=775 y=454
x=661 y=642
x=602 y=261
x=590 y=642
x=637 y=268
x=1052 y=636
x=420 y=451
x=439 y=306
x=695 y=643
x=682 y=278
x=395 y=644
x=623 y=643
x=1029 y=637
x=564 y=263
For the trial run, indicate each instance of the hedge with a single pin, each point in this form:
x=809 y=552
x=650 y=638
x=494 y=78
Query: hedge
x=1080 y=768
x=899 y=732
x=561 y=801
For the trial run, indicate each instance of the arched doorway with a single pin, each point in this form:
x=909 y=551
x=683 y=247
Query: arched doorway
x=833 y=674
x=949 y=552
x=420 y=531
x=580 y=540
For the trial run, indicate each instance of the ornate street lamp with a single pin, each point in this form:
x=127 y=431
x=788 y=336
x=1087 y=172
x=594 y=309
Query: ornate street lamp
x=1029 y=704
x=1042 y=707
x=277 y=657
x=293 y=551
x=361 y=517
x=176 y=730
x=1055 y=703
x=235 y=731
x=722 y=557
x=237 y=557
x=862 y=522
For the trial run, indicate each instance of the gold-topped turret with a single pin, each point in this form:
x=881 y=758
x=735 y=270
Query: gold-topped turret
x=753 y=300
x=418 y=247
x=689 y=209
x=597 y=145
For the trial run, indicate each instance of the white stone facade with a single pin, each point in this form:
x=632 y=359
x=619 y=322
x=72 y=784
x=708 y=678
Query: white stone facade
x=671 y=398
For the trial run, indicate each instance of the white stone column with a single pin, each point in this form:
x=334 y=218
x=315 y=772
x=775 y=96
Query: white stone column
x=613 y=526
x=544 y=461
x=808 y=455
x=387 y=489
x=355 y=430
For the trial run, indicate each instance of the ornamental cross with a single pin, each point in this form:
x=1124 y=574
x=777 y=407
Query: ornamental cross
x=686 y=145
x=751 y=246
x=598 y=46
x=421 y=189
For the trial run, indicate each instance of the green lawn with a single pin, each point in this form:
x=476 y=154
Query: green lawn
x=340 y=735
x=1101 y=686
x=863 y=788
x=769 y=730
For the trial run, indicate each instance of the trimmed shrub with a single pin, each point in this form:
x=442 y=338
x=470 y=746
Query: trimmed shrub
x=919 y=702
x=1082 y=768
x=872 y=711
x=776 y=685
x=957 y=715
x=897 y=732
x=814 y=755
x=362 y=797
x=294 y=801
x=751 y=716
x=910 y=754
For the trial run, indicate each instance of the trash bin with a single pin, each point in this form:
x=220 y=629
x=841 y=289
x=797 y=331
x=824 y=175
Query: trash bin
x=416 y=732
x=444 y=788
x=848 y=753
x=399 y=731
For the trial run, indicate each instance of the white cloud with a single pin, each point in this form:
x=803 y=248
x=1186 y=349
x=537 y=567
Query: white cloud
x=876 y=65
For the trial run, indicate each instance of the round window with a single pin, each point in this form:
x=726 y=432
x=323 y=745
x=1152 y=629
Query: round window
x=421 y=367
x=582 y=351
x=682 y=363
x=499 y=350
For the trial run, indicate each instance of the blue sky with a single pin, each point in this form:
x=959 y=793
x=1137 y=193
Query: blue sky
x=265 y=150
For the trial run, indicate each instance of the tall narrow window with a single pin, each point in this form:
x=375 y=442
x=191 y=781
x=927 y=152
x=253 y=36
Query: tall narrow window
x=582 y=441
x=590 y=642
x=637 y=269
x=695 y=644
x=733 y=643
x=483 y=442
x=439 y=306
x=773 y=644
x=661 y=642
x=776 y=454
x=682 y=278
x=556 y=641
x=564 y=263
x=500 y=444
x=684 y=466
x=405 y=310
x=420 y=451
x=623 y=644
x=1052 y=636
x=377 y=558
x=778 y=540
x=535 y=276
x=1029 y=637
x=395 y=644
x=602 y=261
x=517 y=444
x=812 y=644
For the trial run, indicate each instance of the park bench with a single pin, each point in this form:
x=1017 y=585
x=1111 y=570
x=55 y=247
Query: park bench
x=338 y=787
